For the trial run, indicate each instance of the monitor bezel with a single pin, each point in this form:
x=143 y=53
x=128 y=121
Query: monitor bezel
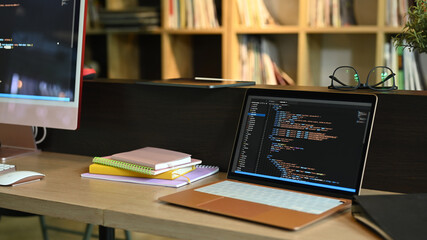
x=47 y=113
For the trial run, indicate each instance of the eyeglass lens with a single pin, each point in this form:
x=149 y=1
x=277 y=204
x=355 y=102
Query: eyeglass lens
x=380 y=78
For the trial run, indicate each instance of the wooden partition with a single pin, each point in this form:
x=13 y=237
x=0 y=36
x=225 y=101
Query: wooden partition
x=118 y=117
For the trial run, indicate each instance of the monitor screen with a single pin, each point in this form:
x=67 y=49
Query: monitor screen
x=41 y=51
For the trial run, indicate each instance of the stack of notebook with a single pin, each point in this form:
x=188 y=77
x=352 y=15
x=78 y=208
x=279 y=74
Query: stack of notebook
x=150 y=165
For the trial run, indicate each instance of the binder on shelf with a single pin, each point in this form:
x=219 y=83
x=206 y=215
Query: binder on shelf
x=95 y=168
x=201 y=171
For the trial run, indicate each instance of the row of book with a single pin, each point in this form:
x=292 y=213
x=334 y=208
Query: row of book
x=407 y=67
x=193 y=14
x=141 y=17
x=254 y=13
x=259 y=61
x=149 y=165
x=396 y=13
x=331 y=13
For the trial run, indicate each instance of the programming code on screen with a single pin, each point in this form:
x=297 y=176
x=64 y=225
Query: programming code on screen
x=37 y=49
x=309 y=141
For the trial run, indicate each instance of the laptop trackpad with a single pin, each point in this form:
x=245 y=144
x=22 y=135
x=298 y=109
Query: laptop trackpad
x=235 y=207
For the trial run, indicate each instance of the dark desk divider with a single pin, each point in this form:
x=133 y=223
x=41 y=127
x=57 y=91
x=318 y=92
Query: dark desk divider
x=120 y=117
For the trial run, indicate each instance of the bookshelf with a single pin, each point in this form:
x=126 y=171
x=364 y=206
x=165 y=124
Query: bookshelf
x=308 y=54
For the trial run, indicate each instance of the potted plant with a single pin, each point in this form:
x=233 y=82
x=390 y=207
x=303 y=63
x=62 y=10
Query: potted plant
x=414 y=34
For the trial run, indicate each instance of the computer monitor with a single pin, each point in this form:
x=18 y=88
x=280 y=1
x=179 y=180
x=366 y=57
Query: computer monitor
x=41 y=61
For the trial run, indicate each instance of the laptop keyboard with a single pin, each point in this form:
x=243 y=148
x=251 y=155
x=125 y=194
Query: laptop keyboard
x=272 y=197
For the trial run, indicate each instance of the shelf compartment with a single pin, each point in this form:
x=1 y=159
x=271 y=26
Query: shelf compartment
x=329 y=51
x=283 y=48
x=95 y=54
x=130 y=55
x=186 y=56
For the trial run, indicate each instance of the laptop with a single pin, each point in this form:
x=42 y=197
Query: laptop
x=298 y=157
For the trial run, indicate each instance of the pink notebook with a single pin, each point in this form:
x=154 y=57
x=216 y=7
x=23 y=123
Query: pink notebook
x=200 y=172
x=156 y=158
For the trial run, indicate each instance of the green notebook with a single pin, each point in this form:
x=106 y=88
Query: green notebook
x=138 y=168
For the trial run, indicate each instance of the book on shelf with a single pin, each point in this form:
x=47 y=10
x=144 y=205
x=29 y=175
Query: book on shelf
x=396 y=12
x=399 y=66
x=95 y=168
x=152 y=157
x=192 y=14
x=138 y=168
x=138 y=17
x=201 y=171
x=404 y=63
x=335 y=12
x=93 y=7
x=347 y=13
x=282 y=77
x=259 y=61
x=331 y=13
x=411 y=71
x=254 y=13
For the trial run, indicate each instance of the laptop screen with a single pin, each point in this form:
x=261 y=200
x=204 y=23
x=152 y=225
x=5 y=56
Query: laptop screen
x=309 y=141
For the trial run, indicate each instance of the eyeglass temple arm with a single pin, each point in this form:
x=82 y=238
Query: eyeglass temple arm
x=385 y=79
x=336 y=79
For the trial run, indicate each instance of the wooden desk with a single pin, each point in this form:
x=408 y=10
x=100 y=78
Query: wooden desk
x=64 y=194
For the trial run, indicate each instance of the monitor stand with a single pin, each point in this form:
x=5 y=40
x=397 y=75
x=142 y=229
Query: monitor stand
x=16 y=141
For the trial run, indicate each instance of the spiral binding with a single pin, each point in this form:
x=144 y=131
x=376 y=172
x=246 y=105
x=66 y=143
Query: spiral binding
x=205 y=166
x=123 y=165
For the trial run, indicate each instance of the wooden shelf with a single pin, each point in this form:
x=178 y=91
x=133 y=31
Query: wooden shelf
x=194 y=31
x=307 y=53
x=276 y=29
x=102 y=31
x=343 y=30
x=392 y=30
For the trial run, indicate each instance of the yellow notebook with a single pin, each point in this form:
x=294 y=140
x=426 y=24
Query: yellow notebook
x=108 y=170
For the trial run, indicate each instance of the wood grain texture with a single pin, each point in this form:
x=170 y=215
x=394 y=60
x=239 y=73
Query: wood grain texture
x=61 y=193
x=64 y=194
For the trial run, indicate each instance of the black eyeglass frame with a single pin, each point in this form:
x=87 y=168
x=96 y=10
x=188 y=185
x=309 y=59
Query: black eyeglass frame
x=363 y=85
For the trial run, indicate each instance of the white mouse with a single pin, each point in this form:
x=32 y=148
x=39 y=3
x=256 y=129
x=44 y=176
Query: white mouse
x=17 y=177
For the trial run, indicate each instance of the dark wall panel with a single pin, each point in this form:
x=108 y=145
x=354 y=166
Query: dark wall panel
x=119 y=117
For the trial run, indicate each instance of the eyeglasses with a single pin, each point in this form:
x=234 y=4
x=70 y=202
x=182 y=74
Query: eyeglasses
x=380 y=78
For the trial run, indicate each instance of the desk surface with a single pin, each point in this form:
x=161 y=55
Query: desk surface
x=64 y=194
